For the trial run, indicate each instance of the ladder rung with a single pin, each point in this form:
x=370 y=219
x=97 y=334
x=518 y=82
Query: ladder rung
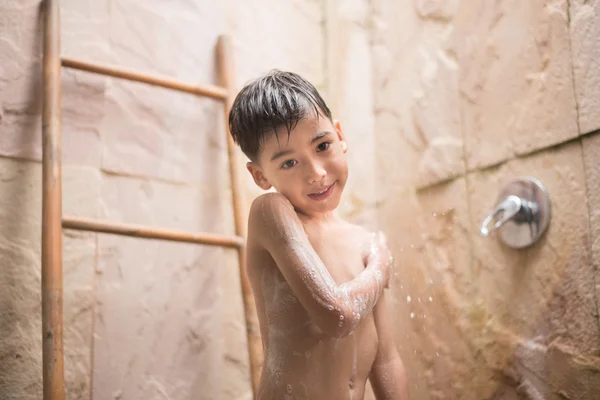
x=216 y=92
x=139 y=231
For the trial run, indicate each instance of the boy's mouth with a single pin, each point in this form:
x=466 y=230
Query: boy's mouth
x=322 y=195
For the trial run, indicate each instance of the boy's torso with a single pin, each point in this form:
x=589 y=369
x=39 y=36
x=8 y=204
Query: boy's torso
x=300 y=361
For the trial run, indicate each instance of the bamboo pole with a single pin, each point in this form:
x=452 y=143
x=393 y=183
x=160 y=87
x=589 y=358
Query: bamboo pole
x=255 y=350
x=207 y=90
x=52 y=286
x=145 y=232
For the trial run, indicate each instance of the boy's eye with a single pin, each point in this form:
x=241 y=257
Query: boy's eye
x=323 y=146
x=288 y=164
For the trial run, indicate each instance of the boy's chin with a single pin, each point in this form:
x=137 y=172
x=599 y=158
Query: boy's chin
x=314 y=209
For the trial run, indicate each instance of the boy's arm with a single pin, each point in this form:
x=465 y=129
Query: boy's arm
x=335 y=309
x=387 y=376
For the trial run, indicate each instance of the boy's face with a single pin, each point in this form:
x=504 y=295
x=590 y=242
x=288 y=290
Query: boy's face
x=309 y=168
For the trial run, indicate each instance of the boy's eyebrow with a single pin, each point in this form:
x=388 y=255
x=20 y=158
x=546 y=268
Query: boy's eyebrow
x=319 y=135
x=281 y=154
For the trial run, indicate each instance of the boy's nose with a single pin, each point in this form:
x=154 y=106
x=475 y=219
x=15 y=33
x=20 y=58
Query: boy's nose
x=316 y=173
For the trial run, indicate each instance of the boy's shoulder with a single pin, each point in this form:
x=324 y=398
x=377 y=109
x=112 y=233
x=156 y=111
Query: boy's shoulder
x=268 y=205
x=270 y=199
x=271 y=212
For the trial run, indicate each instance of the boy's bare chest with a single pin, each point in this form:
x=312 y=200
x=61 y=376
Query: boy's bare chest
x=340 y=249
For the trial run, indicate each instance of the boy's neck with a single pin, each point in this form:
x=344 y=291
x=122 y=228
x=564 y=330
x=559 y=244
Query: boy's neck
x=318 y=218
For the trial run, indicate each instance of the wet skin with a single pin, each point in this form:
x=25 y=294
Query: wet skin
x=317 y=280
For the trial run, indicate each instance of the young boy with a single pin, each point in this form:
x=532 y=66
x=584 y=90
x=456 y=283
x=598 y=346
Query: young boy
x=317 y=280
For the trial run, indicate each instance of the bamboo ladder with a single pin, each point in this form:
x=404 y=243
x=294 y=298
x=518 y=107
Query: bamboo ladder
x=53 y=222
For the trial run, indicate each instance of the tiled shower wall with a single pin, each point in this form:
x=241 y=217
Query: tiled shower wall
x=441 y=101
x=470 y=94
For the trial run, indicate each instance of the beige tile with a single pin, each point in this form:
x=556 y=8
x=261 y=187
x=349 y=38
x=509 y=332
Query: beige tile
x=155 y=132
x=20 y=279
x=428 y=236
x=21 y=83
x=158 y=324
x=84 y=29
x=269 y=34
x=526 y=301
x=81 y=196
x=516 y=85
x=416 y=93
x=235 y=373
x=584 y=30
x=85 y=36
x=150 y=132
x=176 y=41
x=591 y=156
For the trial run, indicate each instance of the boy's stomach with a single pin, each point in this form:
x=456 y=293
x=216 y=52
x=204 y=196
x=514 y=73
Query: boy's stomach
x=303 y=363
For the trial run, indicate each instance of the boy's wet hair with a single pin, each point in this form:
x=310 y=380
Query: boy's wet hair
x=275 y=100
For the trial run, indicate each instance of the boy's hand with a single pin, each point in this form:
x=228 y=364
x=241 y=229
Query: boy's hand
x=378 y=253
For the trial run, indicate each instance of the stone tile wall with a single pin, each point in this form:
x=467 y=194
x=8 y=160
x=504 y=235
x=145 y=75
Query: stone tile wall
x=441 y=103
x=470 y=94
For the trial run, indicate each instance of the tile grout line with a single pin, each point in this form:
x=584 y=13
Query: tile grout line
x=465 y=176
x=507 y=160
x=585 y=169
x=573 y=67
x=93 y=323
x=590 y=255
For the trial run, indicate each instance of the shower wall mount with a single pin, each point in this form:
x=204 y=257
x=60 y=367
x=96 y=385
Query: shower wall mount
x=522 y=213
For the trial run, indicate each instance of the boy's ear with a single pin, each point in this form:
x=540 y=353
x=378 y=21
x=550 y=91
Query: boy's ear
x=259 y=177
x=340 y=133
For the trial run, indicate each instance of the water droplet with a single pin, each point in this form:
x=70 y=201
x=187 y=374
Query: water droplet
x=437 y=354
x=418 y=298
x=341 y=324
x=330 y=307
x=434 y=214
x=430 y=299
x=424 y=316
x=341 y=317
x=307 y=354
x=412 y=314
x=289 y=388
x=408 y=299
